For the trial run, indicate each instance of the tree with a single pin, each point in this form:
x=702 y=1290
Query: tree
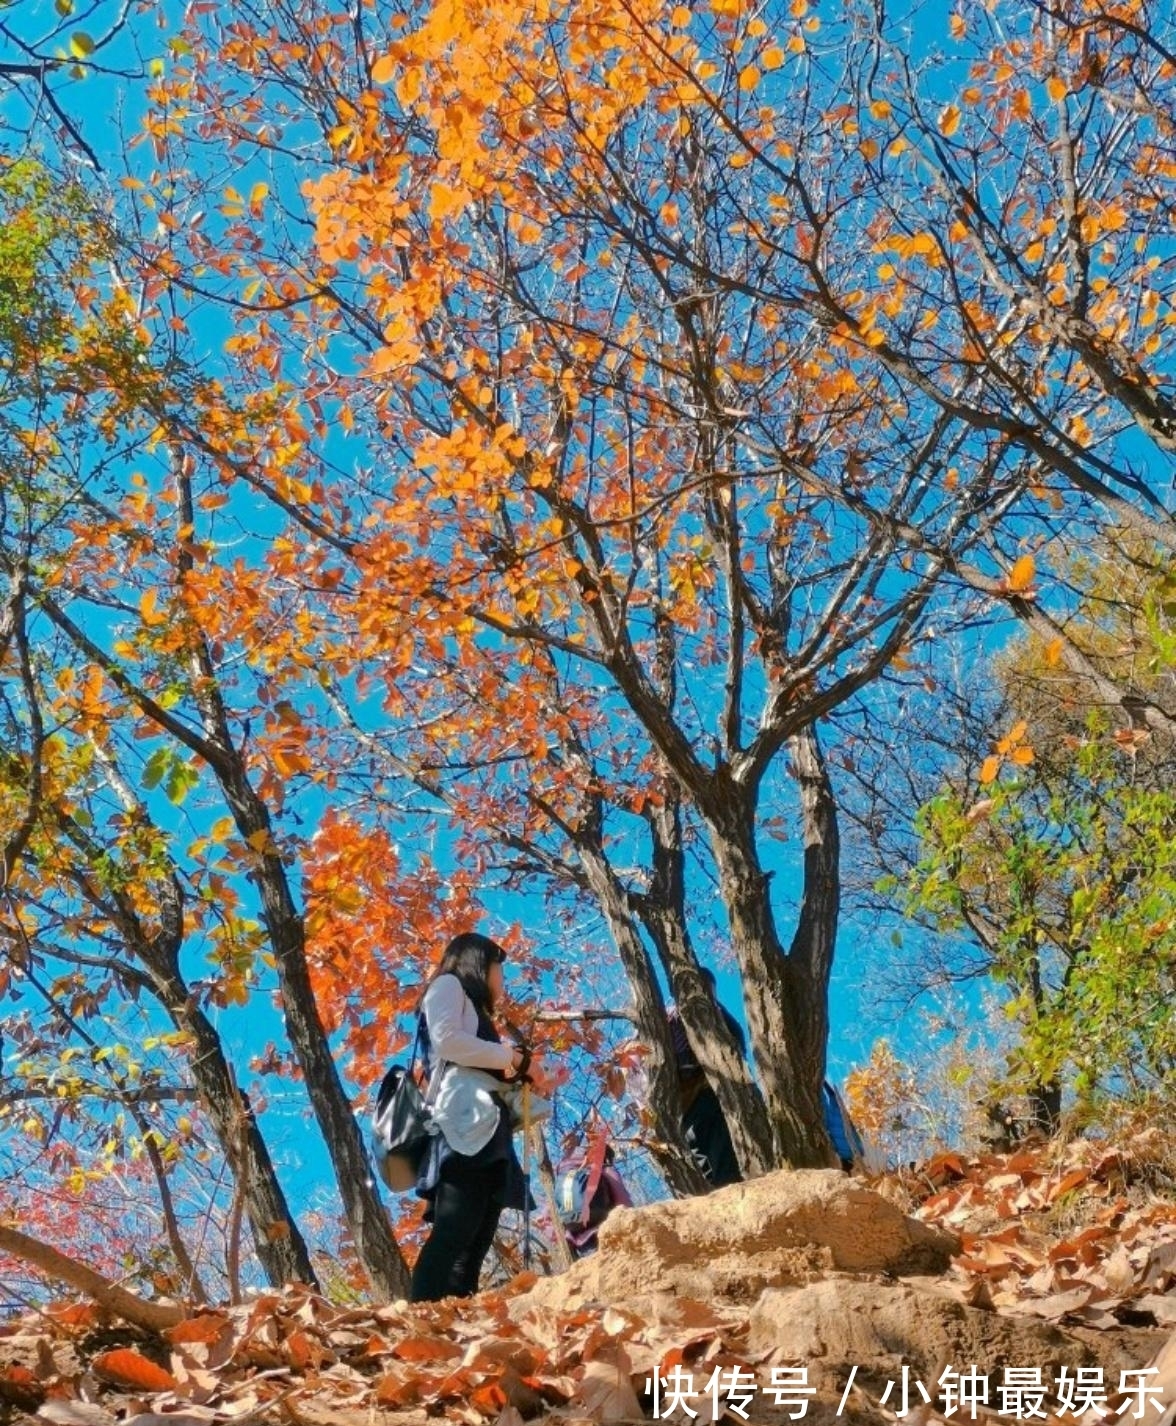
x=1050 y=856
x=1021 y=185
x=598 y=552
x=629 y=383
x=84 y=842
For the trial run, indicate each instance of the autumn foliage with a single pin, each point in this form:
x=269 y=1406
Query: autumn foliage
x=498 y=450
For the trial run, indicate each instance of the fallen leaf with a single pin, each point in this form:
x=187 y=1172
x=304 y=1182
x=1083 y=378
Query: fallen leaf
x=606 y=1393
x=1163 y=1309
x=126 y=1367
x=207 y=1327
x=1055 y=1307
x=76 y=1413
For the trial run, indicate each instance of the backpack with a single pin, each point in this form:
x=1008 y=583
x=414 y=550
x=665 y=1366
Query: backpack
x=576 y=1208
x=844 y=1134
x=400 y=1125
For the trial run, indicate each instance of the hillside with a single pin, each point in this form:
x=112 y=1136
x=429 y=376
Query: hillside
x=1047 y=1261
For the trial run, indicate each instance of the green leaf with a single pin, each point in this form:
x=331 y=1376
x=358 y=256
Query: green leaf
x=155 y=767
x=181 y=779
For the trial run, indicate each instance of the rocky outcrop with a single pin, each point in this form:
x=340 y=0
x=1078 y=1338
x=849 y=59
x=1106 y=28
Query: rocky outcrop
x=880 y=1326
x=786 y=1228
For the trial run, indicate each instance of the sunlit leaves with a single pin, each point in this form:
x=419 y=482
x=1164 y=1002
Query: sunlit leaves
x=1021 y=575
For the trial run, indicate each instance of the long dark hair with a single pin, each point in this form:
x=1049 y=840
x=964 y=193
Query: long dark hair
x=469 y=957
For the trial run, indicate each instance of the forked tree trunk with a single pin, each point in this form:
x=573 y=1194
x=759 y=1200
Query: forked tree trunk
x=786 y=994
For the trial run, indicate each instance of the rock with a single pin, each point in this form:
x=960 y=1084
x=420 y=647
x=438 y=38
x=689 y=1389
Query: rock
x=878 y=1326
x=785 y=1228
x=774 y=1230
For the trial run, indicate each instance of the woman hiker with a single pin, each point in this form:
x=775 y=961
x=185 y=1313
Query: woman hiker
x=470 y=1171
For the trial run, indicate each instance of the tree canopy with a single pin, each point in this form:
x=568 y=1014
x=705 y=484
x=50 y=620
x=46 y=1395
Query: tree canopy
x=515 y=450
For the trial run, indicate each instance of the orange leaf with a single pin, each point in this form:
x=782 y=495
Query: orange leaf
x=1022 y=756
x=383 y=69
x=206 y=1328
x=749 y=78
x=148 y=612
x=949 y=121
x=126 y=1367
x=426 y=1349
x=989 y=769
x=772 y=57
x=74 y=1314
x=489 y=1398
x=1053 y=652
x=1074 y=1179
x=1015 y=735
x=1020 y=577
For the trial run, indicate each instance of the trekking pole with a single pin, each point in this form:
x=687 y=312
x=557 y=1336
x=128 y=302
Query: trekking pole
x=526 y=1175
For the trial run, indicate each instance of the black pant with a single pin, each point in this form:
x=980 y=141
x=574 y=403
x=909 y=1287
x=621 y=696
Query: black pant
x=465 y=1217
x=707 y=1134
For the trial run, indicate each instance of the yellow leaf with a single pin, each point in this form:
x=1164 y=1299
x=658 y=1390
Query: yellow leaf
x=1020 y=577
x=958 y=28
x=1055 y=88
x=749 y=78
x=1012 y=737
x=408 y=91
x=80 y=44
x=772 y=57
x=681 y=17
x=148 y=612
x=949 y=121
x=383 y=69
x=796 y=44
x=989 y=770
x=880 y=109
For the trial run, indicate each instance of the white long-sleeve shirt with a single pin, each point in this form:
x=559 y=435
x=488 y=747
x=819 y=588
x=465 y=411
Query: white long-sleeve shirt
x=453 y=1029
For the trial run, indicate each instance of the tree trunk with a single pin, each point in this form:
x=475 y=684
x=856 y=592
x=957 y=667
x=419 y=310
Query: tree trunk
x=151 y=1316
x=728 y=1073
x=370 y=1229
x=281 y=1248
x=1045 y=1107
x=668 y=1147
x=364 y=1211
x=786 y=995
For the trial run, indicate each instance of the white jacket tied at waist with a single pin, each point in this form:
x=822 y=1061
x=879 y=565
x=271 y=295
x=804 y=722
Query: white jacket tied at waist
x=462 y=1106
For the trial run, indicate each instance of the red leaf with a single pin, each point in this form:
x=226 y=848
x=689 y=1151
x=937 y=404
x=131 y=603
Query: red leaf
x=126 y=1367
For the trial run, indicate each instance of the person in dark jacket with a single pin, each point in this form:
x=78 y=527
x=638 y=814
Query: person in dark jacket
x=703 y=1122
x=466 y=1192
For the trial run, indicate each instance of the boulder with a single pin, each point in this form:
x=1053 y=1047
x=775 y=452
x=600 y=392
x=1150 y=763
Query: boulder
x=878 y=1326
x=785 y=1228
